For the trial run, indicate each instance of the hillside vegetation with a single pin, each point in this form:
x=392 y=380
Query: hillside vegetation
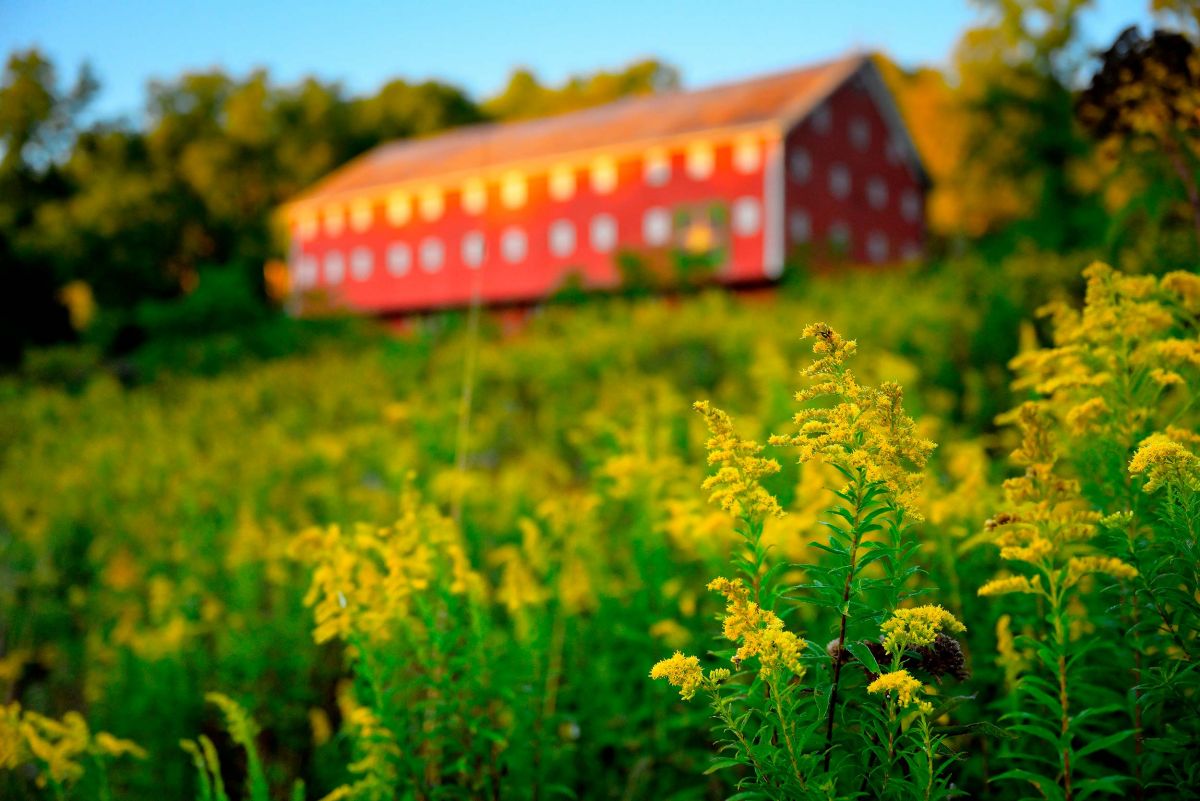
x=387 y=593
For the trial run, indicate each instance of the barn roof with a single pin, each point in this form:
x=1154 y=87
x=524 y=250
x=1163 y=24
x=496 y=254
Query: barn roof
x=782 y=98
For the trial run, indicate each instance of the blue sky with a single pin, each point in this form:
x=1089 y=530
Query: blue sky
x=475 y=44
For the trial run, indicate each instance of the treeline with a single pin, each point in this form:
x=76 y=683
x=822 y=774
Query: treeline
x=123 y=215
x=1035 y=145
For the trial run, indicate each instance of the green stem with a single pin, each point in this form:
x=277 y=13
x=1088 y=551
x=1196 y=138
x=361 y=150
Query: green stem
x=787 y=736
x=841 y=643
x=1060 y=643
x=722 y=707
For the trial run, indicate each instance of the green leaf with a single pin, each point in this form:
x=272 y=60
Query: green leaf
x=863 y=654
x=1104 y=743
x=1048 y=786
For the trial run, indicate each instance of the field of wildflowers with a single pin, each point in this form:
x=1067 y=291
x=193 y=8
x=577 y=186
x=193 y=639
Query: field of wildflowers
x=933 y=546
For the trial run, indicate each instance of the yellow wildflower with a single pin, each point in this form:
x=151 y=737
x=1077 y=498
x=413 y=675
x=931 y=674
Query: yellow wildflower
x=670 y=632
x=680 y=671
x=760 y=632
x=1179 y=351
x=900 y=682
x=1079 y=566
x=917 y=627
x=12 y=748
x=113 y=746
x=1186 y=286
x=865 y=429
x=1011 y=584
x=1046 y=512
x=378 y=750
x=322 y=729
x=1007 y=655
x=340 y=793
x=1082 y=418
x=58 y=745
x=364 y=580
x=1164 y=461
x=735 y=486
x=1166 y=378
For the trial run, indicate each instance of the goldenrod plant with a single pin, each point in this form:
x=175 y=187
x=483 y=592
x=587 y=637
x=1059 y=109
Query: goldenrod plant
x=791 y=720
x=1103 y=520
x=402 y=610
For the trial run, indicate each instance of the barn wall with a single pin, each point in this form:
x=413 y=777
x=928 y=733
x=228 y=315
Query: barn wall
x=883 y=226
x=393 y=286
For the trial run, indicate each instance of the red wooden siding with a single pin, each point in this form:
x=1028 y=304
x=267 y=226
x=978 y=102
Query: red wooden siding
x=540 y=272
x=884 y=225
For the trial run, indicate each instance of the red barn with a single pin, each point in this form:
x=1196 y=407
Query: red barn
x=744 y=174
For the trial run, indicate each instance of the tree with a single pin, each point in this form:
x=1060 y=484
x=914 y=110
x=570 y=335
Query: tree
x=1144 y=104
x=38 y=120
x=525 y=97
x=1025 y=151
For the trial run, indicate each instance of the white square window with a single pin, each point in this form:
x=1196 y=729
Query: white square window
x=562 y=238
x=839 y=181
x=513 y=190
x=335 y=220
x=800 y=165
x=747 y=155
x=474 y=196
x=360 y=215
x=306 y=228
x=747 y=216
x=860 y=133
x=399 y=258
x=335 y=267
x=877 y=192
x=800 y=226
x=399 y=209
x=432 y=254
x=656 y=226
x=361 y=263
x=562 y=182
x=822 y=120
x=603 y=233
x=700 y=161
x=604 y=176
x=306 y=272
x=432 y=203
x=910 y=205
x=657 y=167
x=513 y=245
x=877 y=247
x=472 y=250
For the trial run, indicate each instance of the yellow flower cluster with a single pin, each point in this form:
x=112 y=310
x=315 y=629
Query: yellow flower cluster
x=864 y=428
x=1008 y=657
x=1163 y=461
x=1128 y=325
x=378 y=752
x=1046 y=514
x=735 y=486
x=917 y=627
x=364 y=582
x=904 y=686
x=1012 y=584
x=56 y=747
x=759 y=631
x=680 y=671
x=1080 y=566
